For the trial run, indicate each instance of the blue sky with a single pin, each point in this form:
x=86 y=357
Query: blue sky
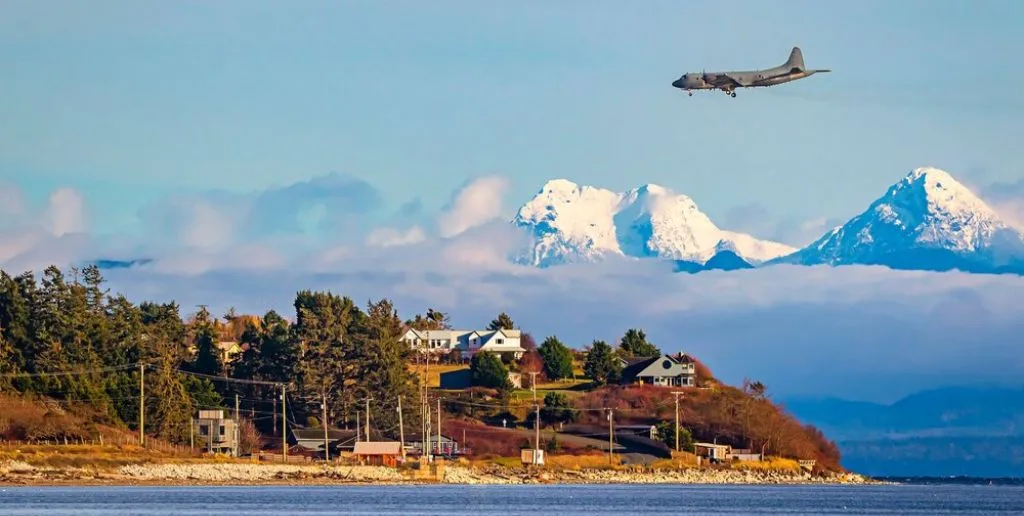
x=125 y=101
x=259 y=150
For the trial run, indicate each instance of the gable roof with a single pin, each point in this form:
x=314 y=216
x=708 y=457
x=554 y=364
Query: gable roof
x=638 y=366
x=635 y=365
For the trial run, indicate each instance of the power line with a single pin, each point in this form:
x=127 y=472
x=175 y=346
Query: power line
x=73 y=372
x=229 y=379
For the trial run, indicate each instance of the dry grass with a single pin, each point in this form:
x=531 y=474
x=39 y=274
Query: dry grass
x=679 y=460
x=87 y=455
x=772 y=464
x=578 y=462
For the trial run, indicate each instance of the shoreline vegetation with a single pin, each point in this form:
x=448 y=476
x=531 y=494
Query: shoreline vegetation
x=96 y=466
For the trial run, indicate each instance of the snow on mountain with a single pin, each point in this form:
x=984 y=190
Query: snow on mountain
x=926 y=221
x=572 y=223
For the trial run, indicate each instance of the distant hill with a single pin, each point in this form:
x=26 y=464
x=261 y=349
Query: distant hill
x=977 y=431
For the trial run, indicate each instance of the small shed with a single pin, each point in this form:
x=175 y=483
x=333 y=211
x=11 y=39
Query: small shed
x=378 y=453
x=713 y=452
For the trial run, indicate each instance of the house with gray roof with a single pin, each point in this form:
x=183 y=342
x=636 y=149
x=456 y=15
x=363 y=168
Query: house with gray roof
x=467 y=342
x=665 y=370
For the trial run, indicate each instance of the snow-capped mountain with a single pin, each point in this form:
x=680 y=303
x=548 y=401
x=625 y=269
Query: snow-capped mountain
x=926 y=221
x=573 y=223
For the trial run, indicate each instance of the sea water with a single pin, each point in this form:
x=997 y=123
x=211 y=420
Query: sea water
x=520 y=499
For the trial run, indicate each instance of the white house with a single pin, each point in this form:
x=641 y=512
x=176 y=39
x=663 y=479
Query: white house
x=468 y=342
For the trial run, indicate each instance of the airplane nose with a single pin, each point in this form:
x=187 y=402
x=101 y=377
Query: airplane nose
x=678 y=83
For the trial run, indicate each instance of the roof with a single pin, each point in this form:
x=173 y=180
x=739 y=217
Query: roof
x=635 y=365
x=333 y=434
x=377 y=448
x=711 y=445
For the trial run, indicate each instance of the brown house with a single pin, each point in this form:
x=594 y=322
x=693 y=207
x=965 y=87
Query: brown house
x=378 y=453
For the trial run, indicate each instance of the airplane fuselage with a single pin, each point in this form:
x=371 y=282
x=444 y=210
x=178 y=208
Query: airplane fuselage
x=728 y=82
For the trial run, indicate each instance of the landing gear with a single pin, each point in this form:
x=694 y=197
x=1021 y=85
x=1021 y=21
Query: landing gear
x=690 y=93
x=732 y=94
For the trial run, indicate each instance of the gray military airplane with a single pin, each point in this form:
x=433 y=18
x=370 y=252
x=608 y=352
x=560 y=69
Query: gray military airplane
x=791 y=70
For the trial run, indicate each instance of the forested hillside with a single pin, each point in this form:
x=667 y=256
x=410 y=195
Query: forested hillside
x=64 y=336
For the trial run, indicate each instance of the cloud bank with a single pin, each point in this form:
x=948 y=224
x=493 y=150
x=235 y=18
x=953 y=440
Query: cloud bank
x=858 y=332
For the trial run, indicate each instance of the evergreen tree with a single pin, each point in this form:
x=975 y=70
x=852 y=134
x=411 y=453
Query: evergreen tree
x=207 y=355
x=487 y=370
x=330 y=357
x=602 y=366
x=388 y=376
x=634 y=344
x=502 y=322
x=557 y=409
x=557 y=358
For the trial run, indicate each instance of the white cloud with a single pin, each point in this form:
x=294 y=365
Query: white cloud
x=324 y=207
x=391 y=237
x=1007 y=199
x=65 y=212
x=756 y=220
x=477 y=203
x=207 y=227
x=33 y=239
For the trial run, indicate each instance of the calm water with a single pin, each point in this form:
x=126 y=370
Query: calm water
x=534 y=500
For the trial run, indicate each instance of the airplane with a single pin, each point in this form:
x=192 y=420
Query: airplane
x=791 y=70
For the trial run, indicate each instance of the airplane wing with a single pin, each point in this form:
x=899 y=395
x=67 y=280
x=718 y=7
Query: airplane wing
x=724 y=80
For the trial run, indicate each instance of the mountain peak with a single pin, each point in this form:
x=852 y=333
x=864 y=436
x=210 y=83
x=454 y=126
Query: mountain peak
x=652 y=189
x=571 y=223
x=929 y=172
x=559 y=185
x=928 y=218
x=940 y=190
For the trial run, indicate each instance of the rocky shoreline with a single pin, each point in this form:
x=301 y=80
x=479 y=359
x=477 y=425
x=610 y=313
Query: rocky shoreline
x=21 y=473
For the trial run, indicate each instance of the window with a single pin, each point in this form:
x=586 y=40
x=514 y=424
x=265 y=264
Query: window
x=204 y=430
x=221 y=429
x=499 y=341
x=667 y=364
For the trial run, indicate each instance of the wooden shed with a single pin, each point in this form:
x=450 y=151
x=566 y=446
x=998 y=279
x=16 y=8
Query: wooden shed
x=378 y=453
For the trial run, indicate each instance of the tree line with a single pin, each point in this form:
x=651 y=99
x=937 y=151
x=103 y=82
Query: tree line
x=334 y=350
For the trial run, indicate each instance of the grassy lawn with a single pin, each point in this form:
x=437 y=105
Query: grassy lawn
x=435 y=372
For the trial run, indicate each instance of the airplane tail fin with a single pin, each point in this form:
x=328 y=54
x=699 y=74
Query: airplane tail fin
x=796 y=59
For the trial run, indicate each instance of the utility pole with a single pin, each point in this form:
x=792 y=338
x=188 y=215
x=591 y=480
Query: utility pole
x=438 y=425
x=677 y=393
x=536 y=427
x=323 y=408
x=367 y=419
x=610 y=434
x=142 y=405
x=533 y=384
x=359 y=427
x=401 y=427
x=237 y=420
x=284 y=424
x=275 y=415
